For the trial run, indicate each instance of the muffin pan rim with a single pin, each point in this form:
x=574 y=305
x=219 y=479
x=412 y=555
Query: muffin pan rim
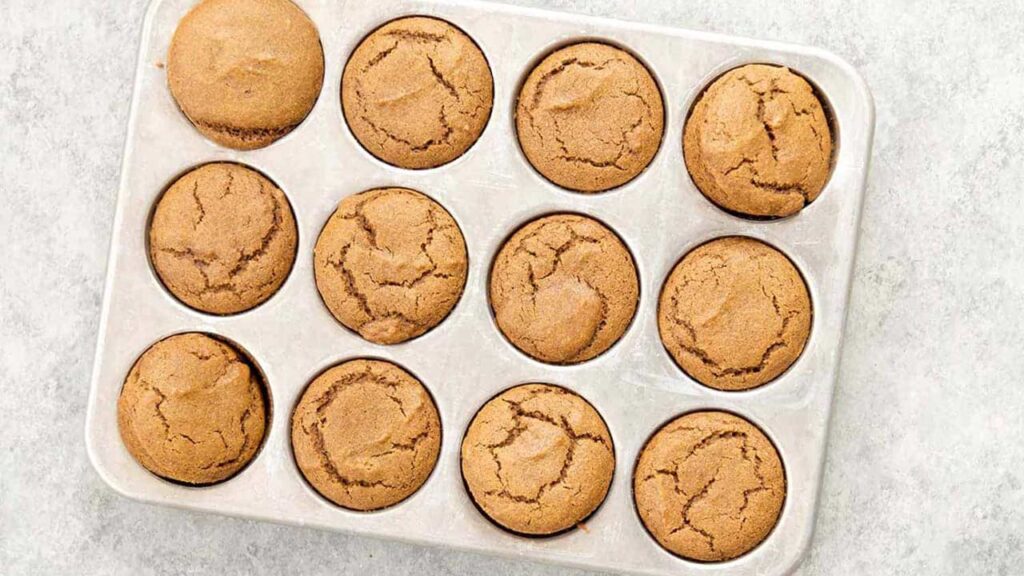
x=790 y=408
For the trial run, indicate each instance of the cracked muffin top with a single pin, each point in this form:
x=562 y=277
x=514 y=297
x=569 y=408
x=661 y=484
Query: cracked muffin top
x=192 y=410
x=590 y=117
x=223 y=238
x=564 y=288
x=245 y=72
x=417 y=92
x=390 y=264
x=709 y=486
x=366 y=434
x=758 y=142
x=538 y=459
x=734 y=313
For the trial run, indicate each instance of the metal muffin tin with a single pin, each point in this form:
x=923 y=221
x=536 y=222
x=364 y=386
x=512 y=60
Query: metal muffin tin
x=490 y=191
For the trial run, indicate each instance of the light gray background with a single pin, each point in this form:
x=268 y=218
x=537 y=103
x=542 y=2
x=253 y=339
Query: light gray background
x=925 y=470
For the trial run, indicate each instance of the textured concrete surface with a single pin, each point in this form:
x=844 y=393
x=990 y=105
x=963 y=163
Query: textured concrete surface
x=924 y=472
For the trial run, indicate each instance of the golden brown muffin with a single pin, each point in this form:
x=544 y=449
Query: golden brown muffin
x=564 y=288
x=538 y=459
x=734 y=313
x=390 y=264
x=192 y=410
x=245 y=72
x=709 y=486
x=758 y=142
x=222 y=238
x=590 y=117
x=366 y=434
x=417 y=92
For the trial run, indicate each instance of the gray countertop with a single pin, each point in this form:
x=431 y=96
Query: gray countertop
x=924 y=471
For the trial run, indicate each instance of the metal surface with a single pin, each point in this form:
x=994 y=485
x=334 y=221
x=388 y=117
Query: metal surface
x=490 y=191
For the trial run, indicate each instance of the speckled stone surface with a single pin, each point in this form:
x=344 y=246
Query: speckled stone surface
x=924 y=470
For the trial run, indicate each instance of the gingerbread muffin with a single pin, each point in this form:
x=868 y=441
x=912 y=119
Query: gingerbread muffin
x=709 y=486
x=245 y=72
x=734 y=313
x=366 y=434
x=758 y=142
x=564 y=288
x=417 y=92
x=390 y=264
x=223 y=238
x=193 y=410
x=537 y=459
x=590 y=117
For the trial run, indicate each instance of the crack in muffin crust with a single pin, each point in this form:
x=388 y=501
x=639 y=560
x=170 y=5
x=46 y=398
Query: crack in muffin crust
x=590 y=117
x=192 y=410
x=563 y=288
x=417 y=92
x=709 y=486
x=223 y=238
x=366 y=434
x=390 y=264
x=758 y=142
x=734 y=313
x=537 y=459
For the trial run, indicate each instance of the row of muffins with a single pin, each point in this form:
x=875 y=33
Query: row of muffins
x=537 y=459
x=390 y=264
x=418 y=92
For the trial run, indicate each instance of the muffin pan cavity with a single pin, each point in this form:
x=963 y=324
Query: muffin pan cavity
x=417 y=92
x=537 y=460
x=366 y=434
x=734 y=313
x=455 y=352
x=590 y=117
x=760 y=141
x=390 y=264
x=222 y=239
x=194 y=409
x=564 y=288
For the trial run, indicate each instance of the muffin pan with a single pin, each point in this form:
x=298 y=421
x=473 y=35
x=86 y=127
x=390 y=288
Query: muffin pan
x=490 y=191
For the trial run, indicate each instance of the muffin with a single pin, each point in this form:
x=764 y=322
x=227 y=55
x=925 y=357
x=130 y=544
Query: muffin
x=709 y=486
x=734 y=313
x=390 y=264
x=193 y=410
x=245 y=72
x=563 y=288
x=222 y=238
x=366 y=434
x=417 y=92
x=590 y=117
x=758 y=142
x=537 y=459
